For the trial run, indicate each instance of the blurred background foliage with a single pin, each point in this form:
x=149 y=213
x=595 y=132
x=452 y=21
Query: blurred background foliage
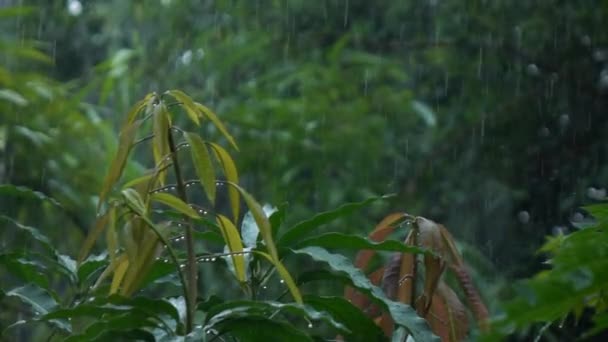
x=487 y=116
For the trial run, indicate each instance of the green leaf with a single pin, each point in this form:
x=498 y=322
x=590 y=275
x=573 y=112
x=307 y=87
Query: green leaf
x=362 y=328
x=26 y=193
x=235 y=245
x=250 y=230
x=242 y=308
x=175 y=203
x=29 y=271
x=187 y=103
x=91 y=265
x=16 y=11
x=425 y=112
x=304 y=227
x=124 y=325
x=202 y=163
x=13 y=97
x=35 y=296
x=117 y=304
x=33 y=232
x=218 y=123
x=231 y=174
x=134 y=200
x=346 y=241
x=259 y=328
x=402 y=314
x=261 y=220
x=284 y=274
x=277 y=218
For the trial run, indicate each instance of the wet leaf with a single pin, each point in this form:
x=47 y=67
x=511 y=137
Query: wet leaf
x=202 y=163
x=175 y=203
x=284 y=274
x=301 y=229
x=231 y=174
x=403 y=314
x=134 y=201
x=36 y=297
x=235 y=245
x=160 y=141
x=261 y=220
x=218 y=123
x=346 y=241
x=241 y=308
x=26 y=193
x=360 y=326
x=188 y=105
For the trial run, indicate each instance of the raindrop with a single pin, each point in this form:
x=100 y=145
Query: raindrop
x=74 y=8
x=346 y=14
x=596 y=194
x=309 y=325
x=559 y=230
x=564 y=120
x=523 y=216
x=603 y=82
x=586 y=40
x=186 y=60
x=264 y=287
x=213 y=259
x=200 y=53
x=282 y=281
x=599 y=55
x=532 y=70
x=544 y=132
x=577 y=217
x=365 y=79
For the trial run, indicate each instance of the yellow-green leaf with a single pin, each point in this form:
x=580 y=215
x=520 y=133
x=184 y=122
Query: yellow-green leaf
x=100 y=224
x=138 y=180
x=235 y=245
x=187 y=104
x=218 y=123
x=134 y=201
x=261 y=220
x=160 y=142
x=119 y=274
x=284 y=274
x=127 y=135
x=175 y=203
x=231 y=175
x=111 y=238
x=141 y=104
x=202 y=163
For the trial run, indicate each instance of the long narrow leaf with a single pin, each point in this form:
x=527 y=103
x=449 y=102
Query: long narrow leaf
x=175 y=203
x=284 y=274
x=231 y=174
x=218 y=123
x=235 y=246
x=187 y=104
x=202 y=164
x=304 y=227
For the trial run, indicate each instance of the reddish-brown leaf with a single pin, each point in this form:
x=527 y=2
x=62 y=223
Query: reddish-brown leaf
x=447 y=315
x=473 y=298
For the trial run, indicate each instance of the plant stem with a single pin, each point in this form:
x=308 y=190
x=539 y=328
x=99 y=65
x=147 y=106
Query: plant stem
x=191 y=271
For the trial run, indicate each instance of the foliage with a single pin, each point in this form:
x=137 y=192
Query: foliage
x=142 y=219
x=575 y=283
x=423 y=289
